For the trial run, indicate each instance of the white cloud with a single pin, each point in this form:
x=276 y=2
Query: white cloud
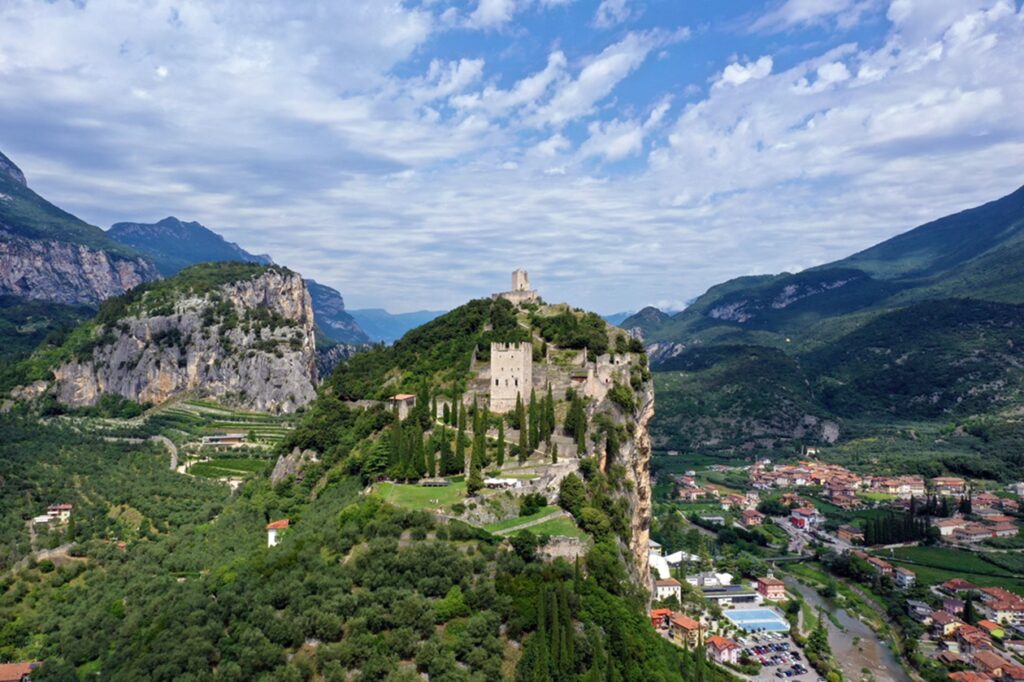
x=790 y=13
x=336 y=138
x=738 y=74
x=598 y=78
x=611 y=13
x=491 y=13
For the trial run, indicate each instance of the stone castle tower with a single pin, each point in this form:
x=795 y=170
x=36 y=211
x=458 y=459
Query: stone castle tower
x=521 y=291
x=511 y=374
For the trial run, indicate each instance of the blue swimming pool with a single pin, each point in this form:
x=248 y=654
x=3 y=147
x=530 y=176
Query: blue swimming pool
x=753 y=620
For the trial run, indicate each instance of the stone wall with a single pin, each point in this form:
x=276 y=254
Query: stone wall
x=511 y=374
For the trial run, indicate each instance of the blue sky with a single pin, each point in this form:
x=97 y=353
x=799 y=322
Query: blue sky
x=626 y=152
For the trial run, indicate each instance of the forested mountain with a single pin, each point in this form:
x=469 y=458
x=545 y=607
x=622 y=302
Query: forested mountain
x=166 y=577
x=239 y=332
x=923 y=328
x=50 y=255
x=174 y=245
x=976 y=253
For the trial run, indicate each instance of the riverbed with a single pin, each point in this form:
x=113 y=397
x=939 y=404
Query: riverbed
x=868 y=651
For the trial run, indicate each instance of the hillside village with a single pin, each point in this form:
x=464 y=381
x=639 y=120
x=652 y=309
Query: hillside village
x=930 y=564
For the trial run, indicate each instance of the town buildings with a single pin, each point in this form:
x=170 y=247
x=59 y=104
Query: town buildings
x=274 y=529
x=667 y=587
x=771 y=588
x=723 y=650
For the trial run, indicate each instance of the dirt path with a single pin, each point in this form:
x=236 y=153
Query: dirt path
x=529 y=524
x=163 y=440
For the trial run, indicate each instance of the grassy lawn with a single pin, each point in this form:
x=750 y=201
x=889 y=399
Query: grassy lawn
x=421 y=497
x=877 y=497
x=233 y=467
x=564 y=527
x=510 y=523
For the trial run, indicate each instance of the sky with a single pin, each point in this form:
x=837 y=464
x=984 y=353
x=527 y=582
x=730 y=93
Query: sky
x=625 y=152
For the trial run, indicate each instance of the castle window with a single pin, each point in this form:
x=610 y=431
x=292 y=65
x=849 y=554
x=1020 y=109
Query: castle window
x=497 y=382
x=517 y=382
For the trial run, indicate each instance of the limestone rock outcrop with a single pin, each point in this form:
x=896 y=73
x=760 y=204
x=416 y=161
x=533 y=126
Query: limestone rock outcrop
x=248 y=343
x=69 y=273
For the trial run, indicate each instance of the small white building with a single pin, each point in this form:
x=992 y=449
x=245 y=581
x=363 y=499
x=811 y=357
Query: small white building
x=60 y=512
x=904 y=578
x=274 y=529
x=667 y=587
x=503 y=483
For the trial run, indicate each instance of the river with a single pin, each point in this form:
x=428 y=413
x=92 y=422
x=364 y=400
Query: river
x=868 y=651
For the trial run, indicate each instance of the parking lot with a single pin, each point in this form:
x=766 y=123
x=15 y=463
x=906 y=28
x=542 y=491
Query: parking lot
x=779 y=657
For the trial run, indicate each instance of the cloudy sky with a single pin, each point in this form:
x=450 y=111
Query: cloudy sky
x=626 y=152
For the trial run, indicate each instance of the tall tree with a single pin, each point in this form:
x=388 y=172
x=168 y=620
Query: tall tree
x=501 y=443
x=524 y=444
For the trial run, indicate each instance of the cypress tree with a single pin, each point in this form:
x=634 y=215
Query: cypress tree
x=431 y=459
x=524 y=449
x=611 y=448
x=534 y=420
x=446 y=414
x=501 y=443
x=419 y=459
x=554 y=453
x=549 y=413
x=433 y=409
x=460 y=435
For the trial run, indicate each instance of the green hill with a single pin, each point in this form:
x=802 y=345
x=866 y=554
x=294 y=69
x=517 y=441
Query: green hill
x=24 y=213
x=976 y=253
x=904 y=338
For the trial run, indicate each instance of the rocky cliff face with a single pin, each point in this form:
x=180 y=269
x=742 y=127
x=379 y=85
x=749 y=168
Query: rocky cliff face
x=248 y=343
x=637 y=458
x=48 y=254
x=331 y=317
x=68 y=273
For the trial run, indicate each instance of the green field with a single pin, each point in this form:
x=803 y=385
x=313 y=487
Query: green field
x=229 y=467
x=499 y=526
x=934 y=565
x=562 y=526
x=410 y=496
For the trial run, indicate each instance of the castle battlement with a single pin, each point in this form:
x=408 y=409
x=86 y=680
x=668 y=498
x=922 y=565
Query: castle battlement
x=521 y=291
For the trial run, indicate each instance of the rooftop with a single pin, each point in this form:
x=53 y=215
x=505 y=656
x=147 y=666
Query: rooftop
x=277 y=525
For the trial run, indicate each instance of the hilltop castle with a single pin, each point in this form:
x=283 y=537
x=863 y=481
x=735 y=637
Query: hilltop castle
x=521 y=291
x=511 y=374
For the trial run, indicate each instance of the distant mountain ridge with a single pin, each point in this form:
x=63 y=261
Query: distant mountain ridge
x=47 y=254
x=380 y=325
x=174 y=245
x=923 y=329
x=975 y=253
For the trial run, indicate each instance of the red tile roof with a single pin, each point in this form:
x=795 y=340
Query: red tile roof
x=721 y=643
x=14 y=672
x=277 y=525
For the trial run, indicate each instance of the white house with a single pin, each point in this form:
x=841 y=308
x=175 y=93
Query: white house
x=275 y=528
x=667 y=587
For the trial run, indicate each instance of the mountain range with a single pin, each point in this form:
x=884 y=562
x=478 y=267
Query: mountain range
x=905 y=338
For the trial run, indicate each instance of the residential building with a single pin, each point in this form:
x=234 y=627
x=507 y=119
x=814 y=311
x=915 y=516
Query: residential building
x=750 y=518
x=654 y=547
x=969 y=676
x=771 y=588
x=805 y=517
x=989 y=663
x=972 y=533
x=1004 y=530
x=60 y=512
x=17 y=672
x=993 y=629
x=985 y=499
x=667 y=587
x=274 y=529
x=722 y=650
x=919 y=612
x=972 y=640
x=948 y=485
x=945 y=624
x=953 y=605
x=955 y=585
x=660 y=618
x=850 y=534
x=685 y=630
x=881 y=566
x=904 y=578
x=729 y=594
x=948 y=526
x=402 y=403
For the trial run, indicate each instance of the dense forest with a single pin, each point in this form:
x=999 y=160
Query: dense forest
x=355 y=585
